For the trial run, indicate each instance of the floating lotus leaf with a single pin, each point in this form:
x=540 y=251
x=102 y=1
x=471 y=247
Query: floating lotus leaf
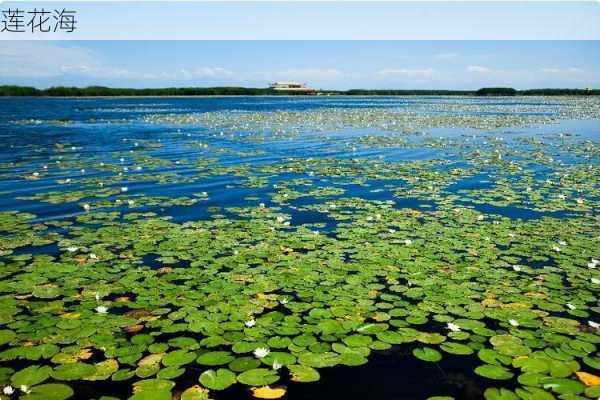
x=6 y=336
x=279 y=358
x=31 y=375
x=562 y=386
x=319 y=360
x=195 y=393
x=178 y=357
x=358 y=340
x=258 y=377
x=533 y=393
x=243 y=364
x=74 y=371
x=499 y=394
x=217 y=380
x=123 y=375
x=214 y=358
x=456 y=348
x=493 y=372
x=427 y=354
x=104 y=370
x=49 y=391
x=303 y=373
x=531 y=364
x=152 y=389
x=493 y=357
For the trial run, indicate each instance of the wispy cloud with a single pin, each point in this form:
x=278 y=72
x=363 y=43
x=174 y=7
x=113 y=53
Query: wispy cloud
x=478 y=69
x=446 y=56
x=407 y=73
x=48 y=60
x=569 y=70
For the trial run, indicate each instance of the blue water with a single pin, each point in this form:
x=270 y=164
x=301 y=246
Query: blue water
x=107 y=130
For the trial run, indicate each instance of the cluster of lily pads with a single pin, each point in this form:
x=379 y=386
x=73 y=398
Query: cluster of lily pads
x=151 y=284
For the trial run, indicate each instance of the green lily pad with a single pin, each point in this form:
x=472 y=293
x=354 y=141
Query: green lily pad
x=258 y=377
x=215 y=358
x=218 y=380
x=31 y=376
x=427 y=354
x=456 y=348
x=74 y=371
x=494 y=372
x=49 y=391
x=303 y=373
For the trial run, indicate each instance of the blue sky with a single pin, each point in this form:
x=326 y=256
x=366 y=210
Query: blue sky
x=321 y=64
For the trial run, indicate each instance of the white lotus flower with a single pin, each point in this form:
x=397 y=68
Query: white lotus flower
x=480 y=218
x=124 y=189
x=391 y=230
x=101 y=309
x=25 y=389
x=556 y=249
x=250 y=323
x=593 y=324
x=513 y=322
x=36 y=174
x=262 y=205
x=93 y=256
x=594 y=263
x=512 y=235
x=562 y=242
x=261 y=352
x=284 y=301
x=407 y=242
x=131 y=202
x=332 y=206
x=280 y=219
x=138 y=168
x=72 y=249
x=8 y=390
x=595 y=281
x=277 y=365
x=516 y=268
x=453 y=327
x=579 y=200
x=86 y=207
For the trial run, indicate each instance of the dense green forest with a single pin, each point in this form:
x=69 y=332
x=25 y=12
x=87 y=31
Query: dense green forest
x=62 y=91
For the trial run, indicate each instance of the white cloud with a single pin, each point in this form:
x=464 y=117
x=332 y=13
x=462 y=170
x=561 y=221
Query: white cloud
x=40 y=59
x=446 y=56
x=567 y=71
x=478 y=68
x=48 y=60
x=407 y=73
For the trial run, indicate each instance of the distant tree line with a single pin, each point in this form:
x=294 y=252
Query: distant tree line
x=63 y=91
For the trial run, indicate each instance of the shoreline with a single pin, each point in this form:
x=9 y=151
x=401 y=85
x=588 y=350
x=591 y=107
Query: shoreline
x=298 y=96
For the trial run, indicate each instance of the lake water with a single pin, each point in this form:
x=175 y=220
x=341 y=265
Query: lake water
x=343 y=235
